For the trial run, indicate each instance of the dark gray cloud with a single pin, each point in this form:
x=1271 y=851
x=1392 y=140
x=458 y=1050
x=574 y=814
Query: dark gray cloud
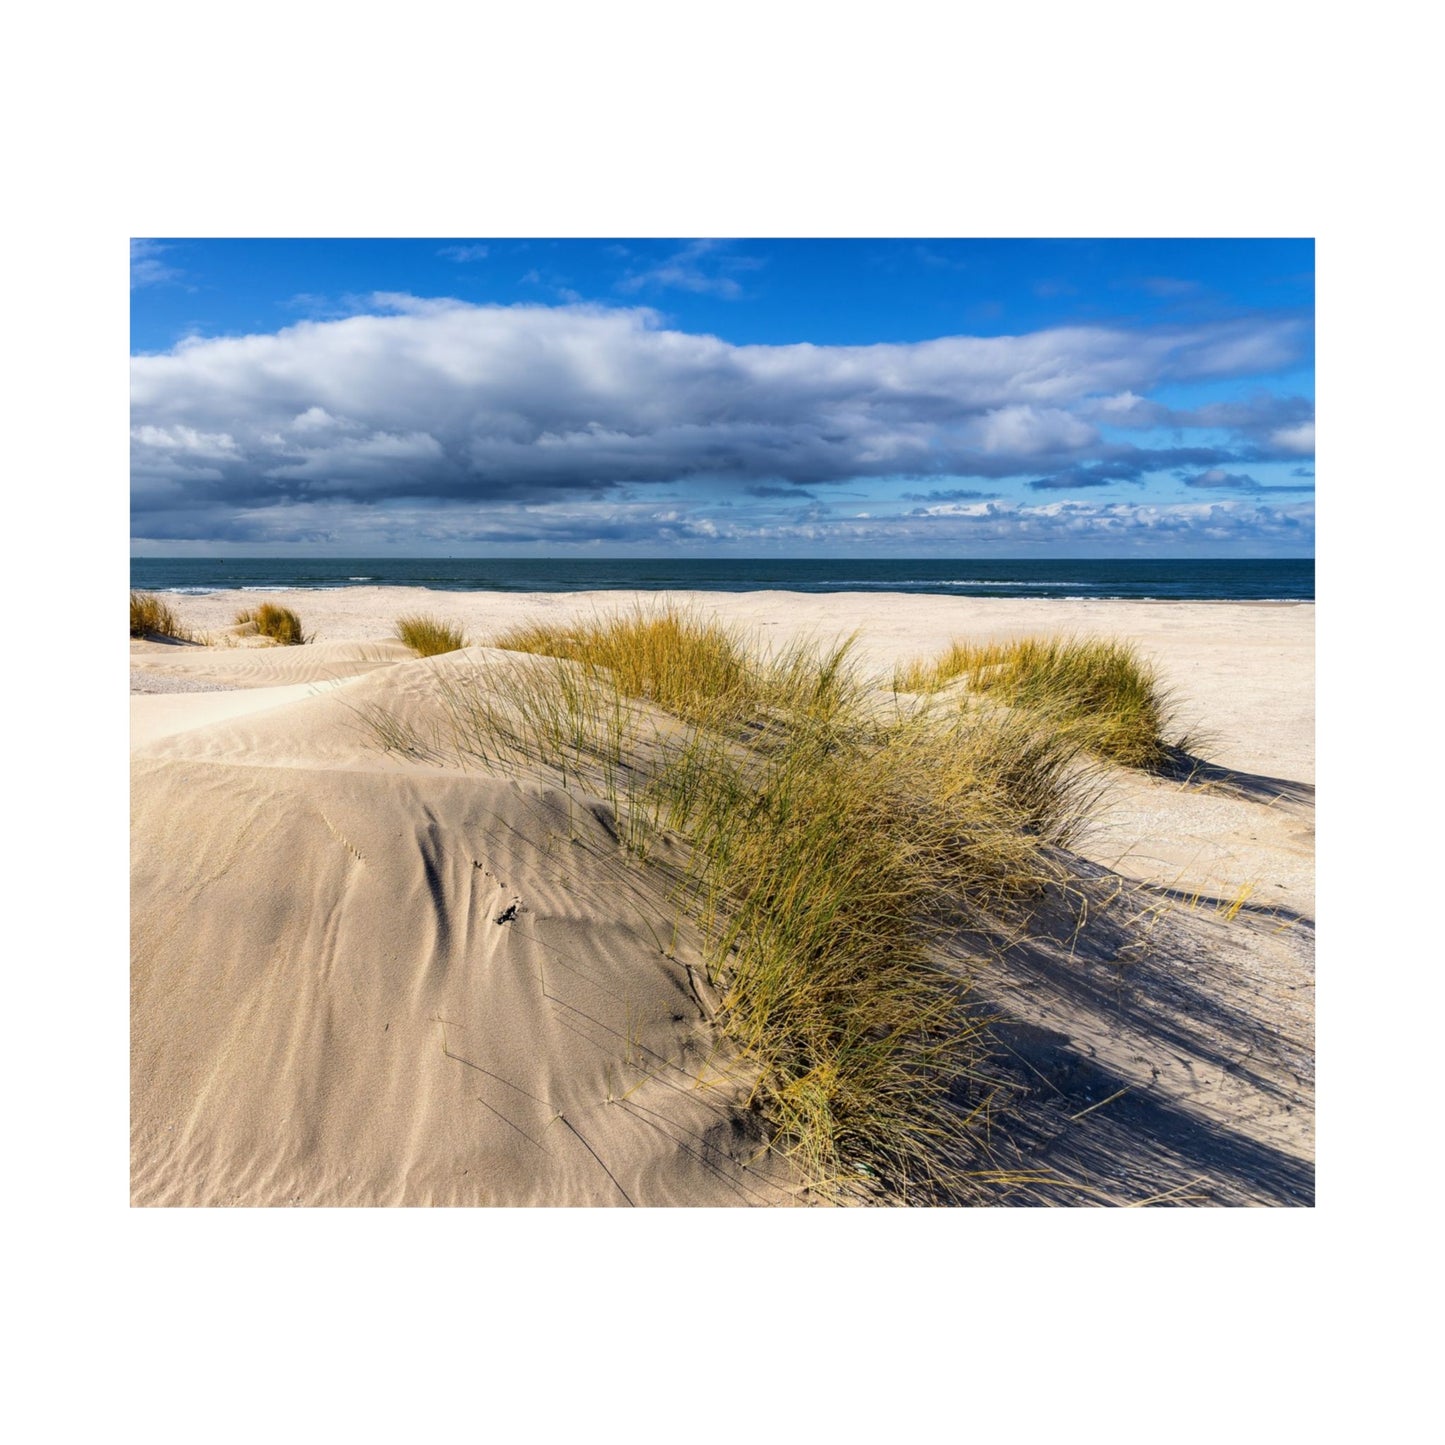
x=951 y=494
x=1071 y=481
x=447 y=404
x=1222 y=481
x=1131 y=464
x=767 y=489
x=1095 y=474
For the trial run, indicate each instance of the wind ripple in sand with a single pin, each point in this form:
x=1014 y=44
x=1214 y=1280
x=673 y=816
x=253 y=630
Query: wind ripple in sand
x=224 y=668
x=334 y=1005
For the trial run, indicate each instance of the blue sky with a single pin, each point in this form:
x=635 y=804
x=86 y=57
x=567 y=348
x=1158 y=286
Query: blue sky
x=473 y=396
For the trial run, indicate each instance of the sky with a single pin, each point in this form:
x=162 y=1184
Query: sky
x=713 y=398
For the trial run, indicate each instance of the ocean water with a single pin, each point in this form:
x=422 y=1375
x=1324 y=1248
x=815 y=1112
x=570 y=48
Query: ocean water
x=1291 y=580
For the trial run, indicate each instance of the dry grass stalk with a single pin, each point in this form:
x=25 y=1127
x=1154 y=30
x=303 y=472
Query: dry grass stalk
x=429 y=636
x=280 y=624
x=1097 y=689
x=152 y=616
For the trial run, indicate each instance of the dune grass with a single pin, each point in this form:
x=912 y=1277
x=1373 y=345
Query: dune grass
x=703 y=672
x=280 y=624
x=832 y=838
x=1097 y=689
x=823 y=881
x=678 y=660
x=429 y=636
x=152 y=616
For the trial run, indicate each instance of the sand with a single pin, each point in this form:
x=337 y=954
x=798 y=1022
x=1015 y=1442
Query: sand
x=363 y=981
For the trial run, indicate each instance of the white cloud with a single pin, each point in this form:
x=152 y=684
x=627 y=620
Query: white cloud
x=1129 y=409
x=146 y=266
x=704 y=267
x=1225 y=526
x=1218 y=477
x=1027 y=431
x=1298 y=439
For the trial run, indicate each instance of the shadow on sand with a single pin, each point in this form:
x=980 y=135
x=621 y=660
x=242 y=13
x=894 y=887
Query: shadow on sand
x=1185 y=767
x=1128 y=1049
x=1109 y=1141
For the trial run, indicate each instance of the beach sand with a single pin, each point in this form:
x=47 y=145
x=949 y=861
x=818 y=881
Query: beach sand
x=363 y=981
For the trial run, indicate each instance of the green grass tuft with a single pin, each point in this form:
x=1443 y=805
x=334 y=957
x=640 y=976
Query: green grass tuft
x=678 y=660
x=1099 y=690
x=151 y=616
x=429 y=637
x=280 y=624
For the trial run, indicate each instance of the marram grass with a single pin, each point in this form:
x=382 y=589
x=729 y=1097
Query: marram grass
x=1098 y=689
x=429 y=636
x=833 y=838
x=676 y=659
x=152 y=616
x=280 y=624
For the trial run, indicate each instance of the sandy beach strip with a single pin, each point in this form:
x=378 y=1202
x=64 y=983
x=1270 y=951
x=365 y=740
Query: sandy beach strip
x=333 y=1004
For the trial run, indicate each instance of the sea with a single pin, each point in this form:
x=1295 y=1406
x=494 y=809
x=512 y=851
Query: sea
x=1234 y=580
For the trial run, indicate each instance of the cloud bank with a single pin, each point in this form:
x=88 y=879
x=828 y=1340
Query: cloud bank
x=459 y=412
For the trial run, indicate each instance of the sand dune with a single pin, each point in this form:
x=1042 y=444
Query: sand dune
x=265 y=666
x=355 y=984
x=369 y=989
x=358 y=980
